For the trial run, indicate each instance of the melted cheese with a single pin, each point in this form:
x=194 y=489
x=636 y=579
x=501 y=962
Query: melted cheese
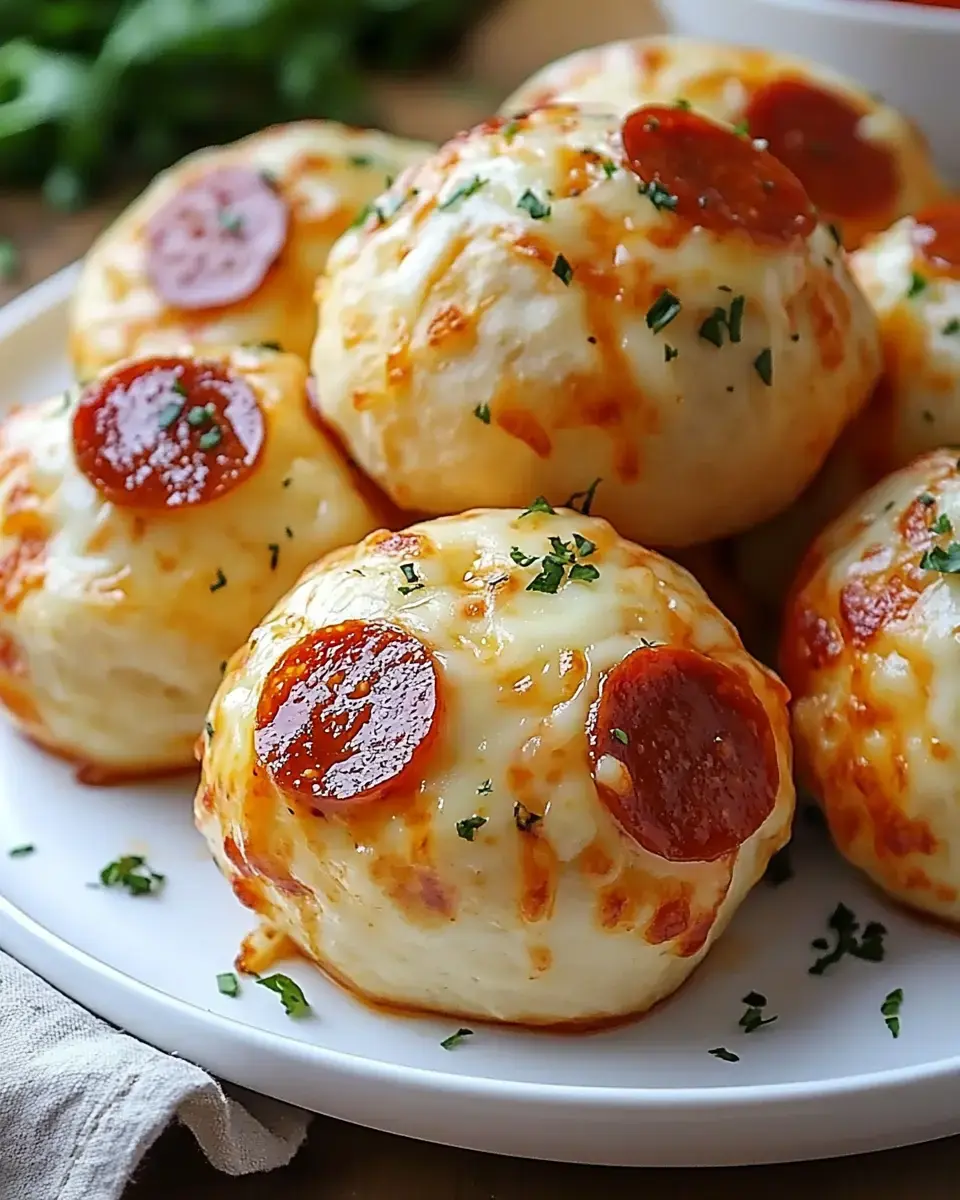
x=111 y=639
x=572 y=922
x=326 y=172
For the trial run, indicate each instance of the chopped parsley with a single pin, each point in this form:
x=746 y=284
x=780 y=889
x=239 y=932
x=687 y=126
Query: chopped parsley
x=779 y=868
x=867 y=945
x=169 y=413
x=534 y=206
x=288 y=531
x=9 y=260
x=482 y=413
x=200 y=414
x=917 y=285
x=663 y=310
x=414 y=583
x=659 y=196
x=682 y=102
x=454 y=1040
x=735 y=317
x=274 y=548
x=711 y=330
x=360 y=160
x=361 y=217
x=926 y=499
x=609 y=168
x=291 y=995
x=228 y=984
x=836 y=235
x=550 y=577
x=763 y=365
x=951 y=327
x=219 y=582
x=584 y=546
x=670 y=352
x=753 y=1019
x=21 y=851
x=584 y=573
x=275 y=346
x=485 y=788
x=539 y=505
x=742 y=129
x=511 y=130
x=724 y=1054
x=521 y=559
x=582 y=502
x=524 y=818
x=942 y=524
x=890 y=1008
x=621 y=736
x=720 y=321
x=211 y=438
x=467 y=828
x=554 y=566
x=562 y=270
x=463 y=191
x=650 y=644
x=131 y=872
x=946 y=561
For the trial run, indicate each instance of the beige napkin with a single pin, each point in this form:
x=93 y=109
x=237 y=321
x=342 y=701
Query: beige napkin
x=80 y=1104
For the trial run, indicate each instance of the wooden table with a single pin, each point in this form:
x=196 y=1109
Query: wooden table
x=342 y=1162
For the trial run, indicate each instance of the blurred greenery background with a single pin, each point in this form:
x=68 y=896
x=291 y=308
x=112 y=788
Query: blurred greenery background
x=90 y=89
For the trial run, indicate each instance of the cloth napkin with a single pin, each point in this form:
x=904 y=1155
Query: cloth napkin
x=80 y=1103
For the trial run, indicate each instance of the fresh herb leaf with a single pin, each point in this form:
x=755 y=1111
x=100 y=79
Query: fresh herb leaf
x=521 y=559
x=463 y=191
x=926 y=499
x=763 y=365
x=454 y=1040
x=584 y=573
x=169 y=413
x=291 y=994
x=360 y=160
x=621 y=736
x=9 y=260
x=22 y=851
x=467 y=828
x=946 y=561
x=551 y=576
x=742 y=129
x=659 y=196
x=511 y=130
x=213 y=437
x=219 y=582
x=414 y=583
x=534 y=206
x=845 y=926
x=951 y=327
x=779 y=868
x=200 y=414
x=562 y=550
x=670 y=352
x=539 y=505
x=663 y=310
x=228 y=984
x=524 y=818
x=711 y=330
x=482 y=413
x=942 y=524
x=485 y=788
x=582 y=502
x=753 y=1019
x=562 y=270
x=890 y=1009
x=609 y=168
x=723 y=1053
x=735 y=317
x=131 y=872
x=682 y=102
x=584 y=546
x=917 y=285
x=274 y=548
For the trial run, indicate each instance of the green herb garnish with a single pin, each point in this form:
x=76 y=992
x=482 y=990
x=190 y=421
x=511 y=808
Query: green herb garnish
x=219 y=582
x=584 y=573
x=670 y=352
x=890 y=1008
x=848 y=940
x=521 y=559
x=21 y=851
x=663 y=310
x=562 y=270
x=753 y=1019
x=723 y=1053
x=763 y=365
x=291 y=994
x=946 y=561
x=131 y=872
x=534 y=206
x=582 y=502
x=659 y=196
x=551 y=576
x=539 y=505
x=917 y=285
x=169 y=413
x=942 y=524
x=463 y=191
x=228 y=984
x=482 y=413
x=467 y=828
x=414 y=583
x=211 y=438
x=951 y=327
x=200 y=414
x=524 y=818
x=230 y=222
x=454 y=1040
x=621 y=736
x=274 y=548
x=485 y=788
x=9 y=260
x=360 y=160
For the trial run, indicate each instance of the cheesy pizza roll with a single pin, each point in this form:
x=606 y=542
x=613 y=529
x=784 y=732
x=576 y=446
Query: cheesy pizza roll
x=566 y=296
x=863 y=163
x=871 y=655
x=225 y=246
x=145 y=525
x=502 y=765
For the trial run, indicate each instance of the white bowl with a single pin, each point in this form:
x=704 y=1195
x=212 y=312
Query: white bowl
x=907 y=52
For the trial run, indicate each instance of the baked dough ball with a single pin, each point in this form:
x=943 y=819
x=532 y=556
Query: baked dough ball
x=911 y=276
x=863 y=163
x=550 y=300
x=225 y=246
x=145 y=526
x=871 y=655
x=501 y=765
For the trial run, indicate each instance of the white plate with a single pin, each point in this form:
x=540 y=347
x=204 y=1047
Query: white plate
x=827 y=1078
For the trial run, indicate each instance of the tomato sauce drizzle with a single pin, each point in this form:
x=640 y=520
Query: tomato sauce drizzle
x=164 y=433
x=817 y=135
x=348 y=713
x=714 y=178
x=699 y=771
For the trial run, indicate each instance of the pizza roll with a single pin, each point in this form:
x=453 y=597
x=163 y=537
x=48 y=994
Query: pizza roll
x=502 y=765
x=564 y=296
x=224 y=247
x=871 y=655
x=145 y=525
x=863 y=163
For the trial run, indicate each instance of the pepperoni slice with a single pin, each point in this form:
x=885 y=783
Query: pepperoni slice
x=714 y=178
x=696 y=770
x=167 y=432
x=214 y=241
x=936 y=235
x=817 y=134
x=348 y=713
